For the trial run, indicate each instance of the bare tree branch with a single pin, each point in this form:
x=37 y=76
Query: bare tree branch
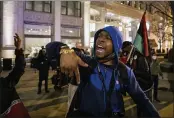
x=161 y=11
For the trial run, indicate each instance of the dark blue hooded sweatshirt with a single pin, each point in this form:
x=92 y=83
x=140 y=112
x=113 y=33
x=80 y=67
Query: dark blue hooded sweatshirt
x=93 y=98
x=92 y=93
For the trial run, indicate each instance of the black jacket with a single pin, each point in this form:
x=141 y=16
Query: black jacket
x=141 y=70
x=7 y=84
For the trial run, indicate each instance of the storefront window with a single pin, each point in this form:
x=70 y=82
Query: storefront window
x=37 y=29
x=36 y=36
x=71 y=42
x=71 y=32
x=35 y=42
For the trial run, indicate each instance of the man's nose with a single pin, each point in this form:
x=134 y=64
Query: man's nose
x=101 y=39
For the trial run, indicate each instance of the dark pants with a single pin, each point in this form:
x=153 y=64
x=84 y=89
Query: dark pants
x=155 y=81
x=40 y=85
x=139 y=112
x=43 y=75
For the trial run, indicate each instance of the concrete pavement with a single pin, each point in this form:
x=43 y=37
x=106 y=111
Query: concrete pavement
x=54 y=104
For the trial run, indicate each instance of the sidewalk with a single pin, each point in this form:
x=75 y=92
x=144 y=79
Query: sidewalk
x=54 y=104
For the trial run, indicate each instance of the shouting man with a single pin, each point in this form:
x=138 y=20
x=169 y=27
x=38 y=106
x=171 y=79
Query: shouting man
x=104 y=80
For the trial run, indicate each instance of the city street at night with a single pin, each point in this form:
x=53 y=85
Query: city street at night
x=67 y=59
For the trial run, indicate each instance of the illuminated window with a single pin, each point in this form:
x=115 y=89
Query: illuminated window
x=42 y=30
x=70 y=32
x=36 y=36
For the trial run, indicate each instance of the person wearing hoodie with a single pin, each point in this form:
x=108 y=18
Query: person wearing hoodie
x=99 y=89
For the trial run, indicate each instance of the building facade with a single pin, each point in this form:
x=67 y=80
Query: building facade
x=126 y=15
x=40 y=22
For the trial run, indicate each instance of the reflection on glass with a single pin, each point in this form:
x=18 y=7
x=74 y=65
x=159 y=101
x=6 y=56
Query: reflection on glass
x=63 y=10
x=77 y=13
x=37 y=29
x=71 y=42
x=35 y=42
x=63 y=3
x=77 y=5
x=28 y=5
x=71 y=8
x=38 y=6
x=47 y=8
x=74 y=32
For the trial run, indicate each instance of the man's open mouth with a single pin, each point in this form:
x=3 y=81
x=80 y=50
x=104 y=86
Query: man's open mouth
x=99 y=48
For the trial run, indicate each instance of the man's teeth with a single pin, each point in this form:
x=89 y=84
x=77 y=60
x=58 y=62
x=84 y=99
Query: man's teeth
x=100 y=50
x=100 y=46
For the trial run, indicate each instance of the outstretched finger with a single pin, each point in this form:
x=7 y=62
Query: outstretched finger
x=77 y=74
x=62 y=70
x=17 y=36
x=15 y=40
x=82 y=63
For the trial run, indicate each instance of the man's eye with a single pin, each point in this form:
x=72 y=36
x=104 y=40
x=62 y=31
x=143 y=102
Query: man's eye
x=108 y=37
x=99 y=35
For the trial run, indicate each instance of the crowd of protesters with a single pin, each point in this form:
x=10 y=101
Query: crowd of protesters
x=97 y=80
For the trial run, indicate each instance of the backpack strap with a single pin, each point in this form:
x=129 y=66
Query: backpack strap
x=122 y=77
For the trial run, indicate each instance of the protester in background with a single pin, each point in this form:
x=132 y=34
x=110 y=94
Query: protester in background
x=135 y=60
x=11 y=105
x=155 y=71
x=43 y=67
x=139 y=65
x=56 y=79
